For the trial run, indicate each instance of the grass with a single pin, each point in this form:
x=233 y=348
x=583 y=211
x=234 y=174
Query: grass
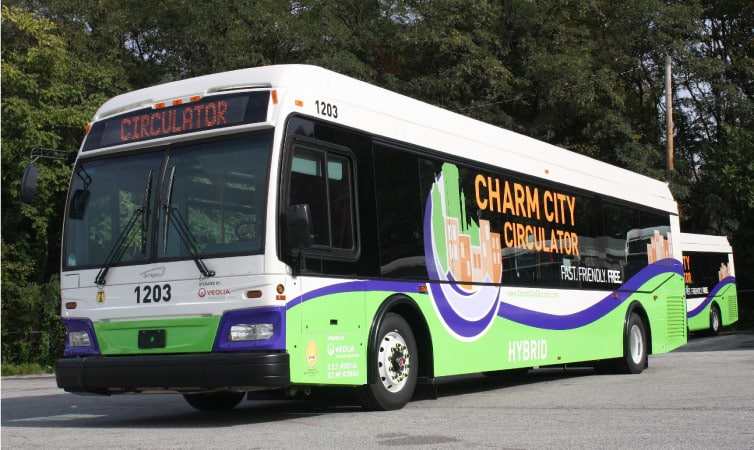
x=9 y=369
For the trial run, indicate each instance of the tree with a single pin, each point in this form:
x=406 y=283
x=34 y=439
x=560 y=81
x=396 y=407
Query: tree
x=452 y=57
x=716 y=119
x=49 y=94
x=584 y=74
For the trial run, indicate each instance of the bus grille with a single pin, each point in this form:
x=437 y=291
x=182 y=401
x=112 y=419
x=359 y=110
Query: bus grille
x=732 y=308
x=676 y=315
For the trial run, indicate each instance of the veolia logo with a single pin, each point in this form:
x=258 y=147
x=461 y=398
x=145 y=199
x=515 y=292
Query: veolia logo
x=464 y=256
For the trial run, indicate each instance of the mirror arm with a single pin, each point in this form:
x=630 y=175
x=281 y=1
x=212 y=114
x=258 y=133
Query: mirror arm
x=298 y=221
x=29 y=182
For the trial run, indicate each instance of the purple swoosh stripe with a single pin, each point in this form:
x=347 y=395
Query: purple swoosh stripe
x=596 y=311
x=461 y=326
x=718 y=287
x=517 y=314
x=357 y=286
x=457 y=286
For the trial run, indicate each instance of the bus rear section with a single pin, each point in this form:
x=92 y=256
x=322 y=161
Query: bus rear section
x=710 y=279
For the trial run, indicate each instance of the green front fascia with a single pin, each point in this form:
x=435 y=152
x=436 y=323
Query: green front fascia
x=192 y=335
x=327 y=337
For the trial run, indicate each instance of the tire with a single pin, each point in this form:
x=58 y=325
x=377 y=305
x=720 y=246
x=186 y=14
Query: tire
x=715 y=320
x=214 y=401
x=393 y=365
x=634 y=345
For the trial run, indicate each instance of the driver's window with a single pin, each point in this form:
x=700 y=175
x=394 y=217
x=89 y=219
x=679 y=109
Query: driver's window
x=322 y=179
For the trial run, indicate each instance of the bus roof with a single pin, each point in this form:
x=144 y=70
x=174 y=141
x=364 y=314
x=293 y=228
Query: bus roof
x=705 y=243
x=395 y=116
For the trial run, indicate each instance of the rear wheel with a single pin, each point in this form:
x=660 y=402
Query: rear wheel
x=393 y=365
x=635 y=345
x=214 y=401
x=714 y=320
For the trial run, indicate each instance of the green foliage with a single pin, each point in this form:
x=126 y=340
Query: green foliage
x=584 y=74
x=715 y=140
x=25 y=369
x=48 y=96
x=454 y=58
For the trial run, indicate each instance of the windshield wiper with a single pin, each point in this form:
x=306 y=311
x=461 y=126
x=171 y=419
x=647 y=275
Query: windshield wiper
x=172 y=216
x=125 y=236
x=188 y=239
x=166 y=207
x=146 y=213
x=124 y=239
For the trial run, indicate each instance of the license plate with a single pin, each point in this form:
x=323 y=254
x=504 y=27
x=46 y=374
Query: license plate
x=151 y=338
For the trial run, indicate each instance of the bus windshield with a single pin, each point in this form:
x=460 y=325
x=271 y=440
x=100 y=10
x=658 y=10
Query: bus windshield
x=175 y=202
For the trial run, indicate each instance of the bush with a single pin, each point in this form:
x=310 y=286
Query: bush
x=25 y=369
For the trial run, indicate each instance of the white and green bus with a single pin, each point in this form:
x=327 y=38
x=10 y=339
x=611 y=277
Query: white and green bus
x=288 y=228
x=710 y=277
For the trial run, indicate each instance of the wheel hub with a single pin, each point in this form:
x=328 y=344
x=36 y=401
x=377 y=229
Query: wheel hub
x=394 y=362
x=636 y=344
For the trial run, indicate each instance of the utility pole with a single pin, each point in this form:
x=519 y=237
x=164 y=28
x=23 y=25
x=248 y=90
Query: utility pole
x=669 y=114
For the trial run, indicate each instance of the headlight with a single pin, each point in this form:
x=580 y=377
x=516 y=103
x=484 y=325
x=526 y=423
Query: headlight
x=251 y=332
x=79 y=339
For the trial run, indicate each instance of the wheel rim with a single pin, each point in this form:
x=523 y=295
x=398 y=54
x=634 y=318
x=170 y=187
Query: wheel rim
x=715 y=321
x=393 y=362
x=636 y=343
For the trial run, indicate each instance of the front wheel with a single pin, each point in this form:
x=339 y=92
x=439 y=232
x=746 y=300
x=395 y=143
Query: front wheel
x=635 y=345
x=214 y=401
x=393 y=365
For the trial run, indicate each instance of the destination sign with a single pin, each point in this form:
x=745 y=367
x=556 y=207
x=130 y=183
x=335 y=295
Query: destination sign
x=213 y=112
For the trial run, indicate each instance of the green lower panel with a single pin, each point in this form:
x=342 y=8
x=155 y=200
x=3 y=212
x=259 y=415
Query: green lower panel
x=700 y=321
x=180 y=336
x=327 y=337
x=329 y=359
x=726 y=301
x=509 y=345
x=327 y=340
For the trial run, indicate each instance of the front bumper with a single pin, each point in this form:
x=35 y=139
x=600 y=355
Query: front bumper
x=182 y=373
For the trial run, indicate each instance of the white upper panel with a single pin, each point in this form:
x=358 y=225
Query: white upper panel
x=394 y=116
x=705 y=243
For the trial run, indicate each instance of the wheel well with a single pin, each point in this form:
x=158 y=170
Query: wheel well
x=714 y=306
x=407 y=308
x=639 y=310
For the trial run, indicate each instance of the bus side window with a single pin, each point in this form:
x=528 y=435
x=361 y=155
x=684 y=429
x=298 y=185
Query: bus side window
x=308 y=187
x=323 y=180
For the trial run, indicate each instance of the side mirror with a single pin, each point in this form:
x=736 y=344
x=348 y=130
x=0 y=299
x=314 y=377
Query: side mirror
x=29 y=185
x=79 y=202
x=299 y=227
